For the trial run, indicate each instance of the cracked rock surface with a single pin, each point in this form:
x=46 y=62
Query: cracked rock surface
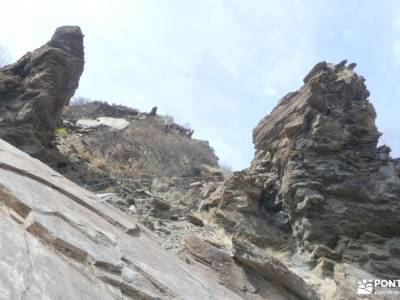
x=319 y=185
x=60 y=242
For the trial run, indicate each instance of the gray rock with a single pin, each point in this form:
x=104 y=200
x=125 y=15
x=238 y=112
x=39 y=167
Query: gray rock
x=112 y=123
x=237 y=277
x=273 y=269
x=58 y=241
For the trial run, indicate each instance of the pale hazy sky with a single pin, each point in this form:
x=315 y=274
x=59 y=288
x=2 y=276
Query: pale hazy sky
x=218 y=65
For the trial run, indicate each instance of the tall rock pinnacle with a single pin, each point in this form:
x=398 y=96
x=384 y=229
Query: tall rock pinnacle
x=318 y=184
x=318 y=152
x=34 y=90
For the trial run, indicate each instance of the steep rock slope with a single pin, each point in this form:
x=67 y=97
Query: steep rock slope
x=35 y=89
x=59 y=241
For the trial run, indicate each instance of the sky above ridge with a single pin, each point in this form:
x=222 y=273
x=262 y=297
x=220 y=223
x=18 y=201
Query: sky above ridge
x=220 y=66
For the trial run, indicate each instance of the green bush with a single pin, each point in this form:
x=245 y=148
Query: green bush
x=63 y=132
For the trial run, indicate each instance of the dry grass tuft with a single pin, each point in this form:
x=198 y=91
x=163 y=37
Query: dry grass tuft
x=98 y=162
x=279 y=253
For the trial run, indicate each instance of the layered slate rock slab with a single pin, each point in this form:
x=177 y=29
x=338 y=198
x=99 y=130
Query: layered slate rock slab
x=34 y=90
x=60 y=242
x=246 y=282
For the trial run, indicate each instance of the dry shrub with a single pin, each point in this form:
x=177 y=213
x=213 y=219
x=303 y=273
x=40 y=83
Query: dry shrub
x=98 y=162
x=82 y=108
x=137 y=155
x=279 y=253
x=147 y=147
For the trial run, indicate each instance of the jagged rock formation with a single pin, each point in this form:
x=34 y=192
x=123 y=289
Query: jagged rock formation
x=318 y=184
x=317 y=157
x=34 y=90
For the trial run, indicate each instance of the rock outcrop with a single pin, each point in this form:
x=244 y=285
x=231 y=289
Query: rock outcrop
x=318 y=162
x=34 y=90
x=318 y=185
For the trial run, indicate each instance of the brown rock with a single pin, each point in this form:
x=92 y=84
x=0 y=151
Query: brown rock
x=160 y=203
x=194 y=220
x=330 y=175
x=34 y=90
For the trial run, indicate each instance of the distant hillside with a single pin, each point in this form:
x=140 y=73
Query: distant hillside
x=148 y=147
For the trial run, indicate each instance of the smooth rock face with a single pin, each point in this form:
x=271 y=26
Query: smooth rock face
x=35 y=89
x=60 y=242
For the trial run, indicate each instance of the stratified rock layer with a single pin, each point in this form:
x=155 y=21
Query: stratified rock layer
x=59 y=241
x=318 y=184
x=318 y=161
x=34 y=90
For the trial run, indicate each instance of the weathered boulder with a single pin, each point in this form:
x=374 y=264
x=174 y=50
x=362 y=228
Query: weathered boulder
x=34 y=90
